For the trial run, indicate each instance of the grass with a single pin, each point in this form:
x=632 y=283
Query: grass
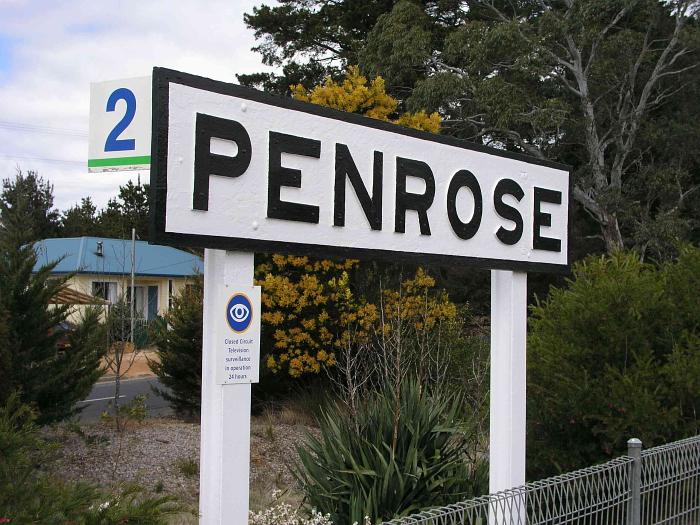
x=298 y=408
x=185 y=518
x=261 y=493
x=187 y=467
x=296 y=411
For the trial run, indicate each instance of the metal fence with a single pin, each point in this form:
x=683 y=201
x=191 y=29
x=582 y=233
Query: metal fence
x=142 y=332
x=670 y=483
x=656 y=486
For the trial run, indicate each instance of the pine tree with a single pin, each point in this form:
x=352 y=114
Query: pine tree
x=5 y=358
x=80 y=220
x=50 y=379
x=129 y=210
x=178 y=339
x=310 y=40
x=76 y=369
x=30 y=199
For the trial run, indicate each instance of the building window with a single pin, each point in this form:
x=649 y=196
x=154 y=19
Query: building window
x=170 y=294
x=106 y=290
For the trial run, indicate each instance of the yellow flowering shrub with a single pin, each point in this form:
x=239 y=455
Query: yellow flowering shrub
x=356 y=95
x=311 y=312
x=418 y=304
x=309 y=308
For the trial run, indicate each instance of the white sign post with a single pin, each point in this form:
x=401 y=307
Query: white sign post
x=235 y=169
x=507 y=411
x=120 y=125
x=224 y=461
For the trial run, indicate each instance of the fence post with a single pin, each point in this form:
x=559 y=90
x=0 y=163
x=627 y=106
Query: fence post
x=634 y=450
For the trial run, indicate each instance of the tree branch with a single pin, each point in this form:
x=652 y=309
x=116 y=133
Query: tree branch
x=594 y=47
x=589 y=204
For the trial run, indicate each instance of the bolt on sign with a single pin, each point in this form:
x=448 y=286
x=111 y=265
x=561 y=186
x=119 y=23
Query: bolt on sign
x=238 y=169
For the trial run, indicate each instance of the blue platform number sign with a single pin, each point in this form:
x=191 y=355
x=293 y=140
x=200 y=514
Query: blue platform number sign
x=239 y=313
x=120 y=125
x=114 y=143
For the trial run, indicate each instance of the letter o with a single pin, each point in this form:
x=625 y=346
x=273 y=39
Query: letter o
x=464 y=178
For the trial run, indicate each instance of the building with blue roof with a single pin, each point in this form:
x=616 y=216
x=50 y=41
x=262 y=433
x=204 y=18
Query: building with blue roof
x=101 y=267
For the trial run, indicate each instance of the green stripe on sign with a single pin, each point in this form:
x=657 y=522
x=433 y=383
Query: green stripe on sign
x=122 y=161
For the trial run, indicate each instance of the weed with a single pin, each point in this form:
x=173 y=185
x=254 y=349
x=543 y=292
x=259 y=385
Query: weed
x=88 y=439
x=270 y=430
x=187 y=467
x=122 y=418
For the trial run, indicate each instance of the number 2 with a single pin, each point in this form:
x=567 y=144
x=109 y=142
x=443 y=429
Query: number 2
x=114 y=143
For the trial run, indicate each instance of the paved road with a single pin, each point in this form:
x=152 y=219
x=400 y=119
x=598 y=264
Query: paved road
x=103 y=393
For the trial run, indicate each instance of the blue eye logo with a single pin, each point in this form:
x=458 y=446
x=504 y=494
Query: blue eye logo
x=239 y=313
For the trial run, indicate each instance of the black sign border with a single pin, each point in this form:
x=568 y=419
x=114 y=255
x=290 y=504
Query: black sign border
x=162 y=77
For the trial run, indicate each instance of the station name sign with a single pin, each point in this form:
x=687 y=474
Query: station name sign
x=237 y=169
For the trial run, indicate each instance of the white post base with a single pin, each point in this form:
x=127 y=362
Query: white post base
x=507 y=416
x=224 y=462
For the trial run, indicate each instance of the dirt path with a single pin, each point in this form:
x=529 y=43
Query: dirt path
x=139 y=367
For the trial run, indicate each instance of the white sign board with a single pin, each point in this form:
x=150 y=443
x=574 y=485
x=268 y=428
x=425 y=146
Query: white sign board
x=238 y=339
x=120 y=125
x=240 y=170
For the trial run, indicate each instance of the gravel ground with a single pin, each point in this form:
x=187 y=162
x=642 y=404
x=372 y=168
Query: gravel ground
x=161 y=455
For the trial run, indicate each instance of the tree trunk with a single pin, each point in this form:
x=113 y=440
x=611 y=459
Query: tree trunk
x=611 y=233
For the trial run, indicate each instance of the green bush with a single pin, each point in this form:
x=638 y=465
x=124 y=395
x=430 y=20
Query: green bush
x=178 y=341
x=50 y=379
x=401 y=454
x=29 y=495
x=614 y=355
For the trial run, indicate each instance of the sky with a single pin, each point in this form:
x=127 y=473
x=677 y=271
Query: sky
x=51 y=51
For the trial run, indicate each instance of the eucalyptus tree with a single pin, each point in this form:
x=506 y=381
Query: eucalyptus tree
x=608 y=86
x=578 y=81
